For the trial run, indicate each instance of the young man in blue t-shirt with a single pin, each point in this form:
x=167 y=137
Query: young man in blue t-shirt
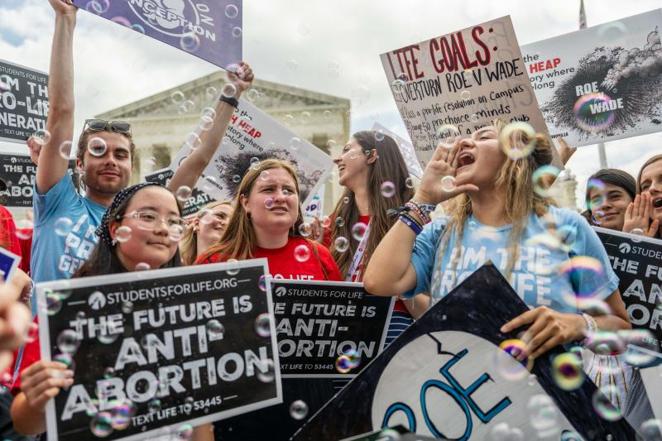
x=65 y=221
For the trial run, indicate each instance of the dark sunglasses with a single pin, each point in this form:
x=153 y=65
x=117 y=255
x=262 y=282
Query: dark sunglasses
x=100 y=125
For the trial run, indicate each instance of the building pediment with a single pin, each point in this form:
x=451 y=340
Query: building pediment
x=202 y=91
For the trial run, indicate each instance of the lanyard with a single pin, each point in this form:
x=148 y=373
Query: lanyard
x=354 y=272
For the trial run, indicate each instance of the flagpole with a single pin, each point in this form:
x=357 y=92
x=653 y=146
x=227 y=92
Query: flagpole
x=602 y=152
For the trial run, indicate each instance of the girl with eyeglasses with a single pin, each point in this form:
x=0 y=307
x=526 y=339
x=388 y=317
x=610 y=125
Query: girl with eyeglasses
x=139 y=231
x=267 y=222
x=205 y=229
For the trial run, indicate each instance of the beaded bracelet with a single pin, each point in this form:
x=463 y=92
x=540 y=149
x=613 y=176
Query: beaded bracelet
x=415 y=208
x=411 y=223
x=591 y=327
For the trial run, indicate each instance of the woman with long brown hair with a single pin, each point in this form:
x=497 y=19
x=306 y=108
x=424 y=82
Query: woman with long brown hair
x=266 y=223
x=374 y=174
x=644 y=214
x=204 y=229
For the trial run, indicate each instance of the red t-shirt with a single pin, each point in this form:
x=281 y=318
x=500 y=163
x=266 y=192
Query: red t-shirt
x=327 y=240
x=284 y=265
x=31 y=355
x=8 y=239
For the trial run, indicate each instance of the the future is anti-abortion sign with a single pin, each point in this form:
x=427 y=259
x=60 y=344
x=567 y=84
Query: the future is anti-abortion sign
x=209 y=29
x=154 y=350
x=459 y=82
x=637 y=261
x=23 y=102
x=601 y=83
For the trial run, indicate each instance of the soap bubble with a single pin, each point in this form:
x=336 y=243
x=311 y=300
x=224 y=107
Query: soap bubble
x=512 y=138
x=102 y=424
x=298 y=410
x=266 y=371
x=68 y=341
x=190 y=42
x=506 y=363
x=123 y=233
x=341 y=244
x=542 y=413
x=63 y=226
x=301 y=253
x=96 y=146
x=567 y=371
x=359 y=230
x=231 y=11
x=388 y=189
x=215 y=329
x=263 y=325
x=603 y=405
x=448 y=184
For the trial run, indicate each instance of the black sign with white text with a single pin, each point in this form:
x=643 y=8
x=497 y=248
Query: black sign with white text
x=23 y=102
x=158 y=349
x=195 y=202
x=637 y=261
x=19 y=173
x=317 y=322
x=327 y=332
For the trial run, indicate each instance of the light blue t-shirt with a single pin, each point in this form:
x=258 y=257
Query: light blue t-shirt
x=542 y=275
x=60 y=247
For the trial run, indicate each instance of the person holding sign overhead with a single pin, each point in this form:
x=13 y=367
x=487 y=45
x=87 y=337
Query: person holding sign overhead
x=375 y=177
x=551 y=256
x=267 y=222
x=139 y=231
x=65 y=220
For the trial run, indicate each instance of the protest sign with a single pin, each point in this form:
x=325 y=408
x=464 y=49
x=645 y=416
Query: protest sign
x=8 y=264
x=459 y=82
x=450 y=359
x=406 y=148
x=652 y=378
x=19 y=173
x=160 y=350
x=193 y=203
x=326 y=332
x=208 y=29
x=600 y=83
x=23 y=102
x=253 y=136
x=637 y=261
x=315 y=208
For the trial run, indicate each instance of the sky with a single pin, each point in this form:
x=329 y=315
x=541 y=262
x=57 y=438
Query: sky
x=327 y=46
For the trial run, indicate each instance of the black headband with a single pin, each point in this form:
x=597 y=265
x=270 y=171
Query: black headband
x=103 y=230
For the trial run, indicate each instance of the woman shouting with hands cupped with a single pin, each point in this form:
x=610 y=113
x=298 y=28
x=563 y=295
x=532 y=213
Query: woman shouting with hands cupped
x=499 y=212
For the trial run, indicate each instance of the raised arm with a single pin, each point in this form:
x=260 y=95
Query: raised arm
x=188 y=173
x=60 y=122
x=390 y=271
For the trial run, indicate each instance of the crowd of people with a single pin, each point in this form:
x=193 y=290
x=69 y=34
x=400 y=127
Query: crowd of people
x=416 y=241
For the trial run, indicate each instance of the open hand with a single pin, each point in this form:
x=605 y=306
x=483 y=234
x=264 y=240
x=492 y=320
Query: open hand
x=43 y=380
x=638 y=216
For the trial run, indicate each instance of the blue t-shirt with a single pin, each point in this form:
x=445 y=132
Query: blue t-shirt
x=60 y=247
x=543 y=274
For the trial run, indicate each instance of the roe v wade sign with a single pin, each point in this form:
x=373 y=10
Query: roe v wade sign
x=209 y=29
x=447 y=377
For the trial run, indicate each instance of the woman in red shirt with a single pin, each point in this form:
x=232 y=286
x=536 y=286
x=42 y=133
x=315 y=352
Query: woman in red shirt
x=375 y=177
x=266 y=223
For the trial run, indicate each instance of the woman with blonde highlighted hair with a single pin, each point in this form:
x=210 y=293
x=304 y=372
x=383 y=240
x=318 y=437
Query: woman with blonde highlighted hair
x=497 y=212
x=267 y=221
x=205 y=228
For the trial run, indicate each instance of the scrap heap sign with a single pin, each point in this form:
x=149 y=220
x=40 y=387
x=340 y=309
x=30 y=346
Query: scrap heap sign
x=252 y=136
x=326 y=333
x=154 y=350
x=447 y=377
x=208 y=29
x=601 y=83
x=19 y=173
x=23 y=102
x=461 y=82
x=637 y=261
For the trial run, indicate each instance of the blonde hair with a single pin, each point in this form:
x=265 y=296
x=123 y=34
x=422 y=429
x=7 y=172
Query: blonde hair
x=238 y=240
x=188 y=246
x=515 y=177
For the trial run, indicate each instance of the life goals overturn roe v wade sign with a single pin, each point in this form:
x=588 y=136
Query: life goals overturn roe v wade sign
x=157 y=352
x=601 y=83
x=446 y=377
x=461 y=81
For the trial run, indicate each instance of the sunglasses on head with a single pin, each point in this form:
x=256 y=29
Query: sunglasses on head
x=100 y=125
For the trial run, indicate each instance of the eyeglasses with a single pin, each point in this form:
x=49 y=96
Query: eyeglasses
x=100 y=125
x=150 y=219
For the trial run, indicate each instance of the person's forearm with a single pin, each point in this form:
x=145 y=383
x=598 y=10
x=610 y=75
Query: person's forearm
x=418 y=305
x=611 y=322
x=204 y=432
x=190 y=170
x=390 y=261
x=26 y=419
x=60 y=121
